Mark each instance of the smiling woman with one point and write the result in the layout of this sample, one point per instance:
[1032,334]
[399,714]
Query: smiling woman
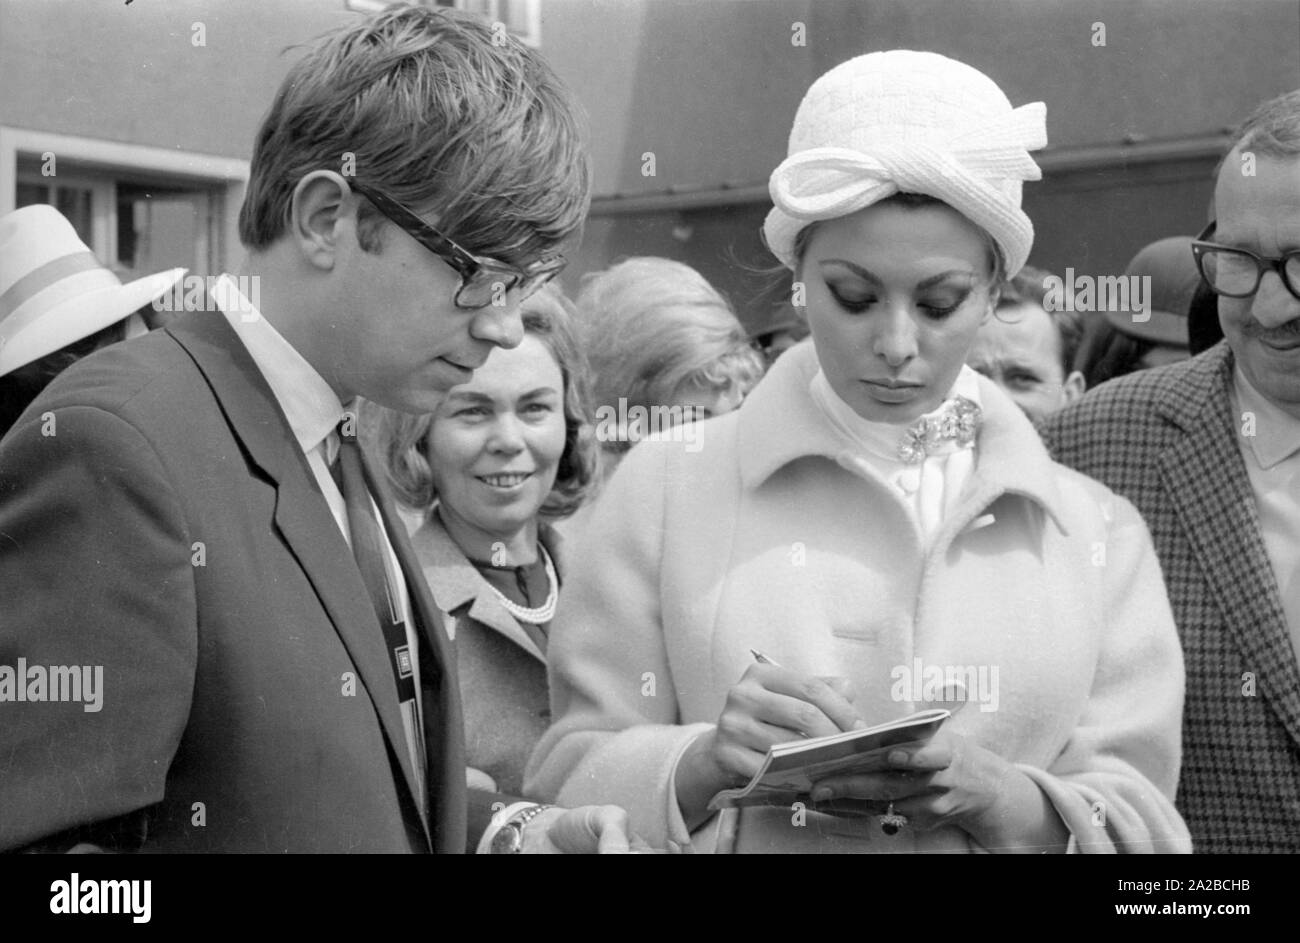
[505,452]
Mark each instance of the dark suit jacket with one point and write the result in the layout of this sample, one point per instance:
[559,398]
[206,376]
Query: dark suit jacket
[170,530]
[1166,439]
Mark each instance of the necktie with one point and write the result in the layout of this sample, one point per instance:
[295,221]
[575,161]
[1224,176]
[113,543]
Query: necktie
[371,552]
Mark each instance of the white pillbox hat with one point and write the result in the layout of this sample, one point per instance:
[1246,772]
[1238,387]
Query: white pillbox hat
[915,122]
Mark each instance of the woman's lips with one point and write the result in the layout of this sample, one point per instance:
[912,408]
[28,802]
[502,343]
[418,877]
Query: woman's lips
[892,391]
[505,481]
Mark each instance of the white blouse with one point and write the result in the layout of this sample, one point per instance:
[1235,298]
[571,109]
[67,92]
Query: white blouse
[928,489]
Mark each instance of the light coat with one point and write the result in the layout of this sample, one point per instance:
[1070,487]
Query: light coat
[761,539]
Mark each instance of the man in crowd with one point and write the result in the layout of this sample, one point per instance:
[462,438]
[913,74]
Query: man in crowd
[1027,350]
[1209,451]
[214,635]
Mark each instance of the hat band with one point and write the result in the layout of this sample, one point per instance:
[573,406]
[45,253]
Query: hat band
[39,279]
[68,271]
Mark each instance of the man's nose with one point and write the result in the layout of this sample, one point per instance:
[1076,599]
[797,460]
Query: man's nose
[501,324]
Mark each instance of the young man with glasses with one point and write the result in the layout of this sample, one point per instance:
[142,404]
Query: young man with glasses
[1209,451]
[190,513]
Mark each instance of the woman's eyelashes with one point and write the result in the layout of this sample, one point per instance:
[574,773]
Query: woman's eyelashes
[937,306]
[942,307]
[850,300]
[534,410]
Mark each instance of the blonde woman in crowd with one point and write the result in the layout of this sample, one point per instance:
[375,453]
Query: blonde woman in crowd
[504,455]
[665,349]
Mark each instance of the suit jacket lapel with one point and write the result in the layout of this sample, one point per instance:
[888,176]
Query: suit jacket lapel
[1207,482]
[301,513]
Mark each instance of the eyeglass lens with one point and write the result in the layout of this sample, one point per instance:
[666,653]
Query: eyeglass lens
[1236,273]
[489,286]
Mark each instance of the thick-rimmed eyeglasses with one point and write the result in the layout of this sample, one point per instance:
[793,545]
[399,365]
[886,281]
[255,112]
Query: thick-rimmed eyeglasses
[1236,273]
[483,281]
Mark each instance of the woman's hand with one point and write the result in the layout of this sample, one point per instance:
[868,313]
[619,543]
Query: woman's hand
[952,781]
[768,705]
[772,705]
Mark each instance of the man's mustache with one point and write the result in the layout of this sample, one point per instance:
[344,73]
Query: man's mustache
[1285,332]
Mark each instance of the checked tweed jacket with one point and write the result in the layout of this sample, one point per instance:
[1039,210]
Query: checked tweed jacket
[1166,439]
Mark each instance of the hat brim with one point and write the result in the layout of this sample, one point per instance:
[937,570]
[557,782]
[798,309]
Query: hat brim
[1162,327]
[81,316]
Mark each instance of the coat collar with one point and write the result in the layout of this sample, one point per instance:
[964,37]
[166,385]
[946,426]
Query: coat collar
[1199,390]
[1204,474]
[313,536]
[780,423]
[455,582]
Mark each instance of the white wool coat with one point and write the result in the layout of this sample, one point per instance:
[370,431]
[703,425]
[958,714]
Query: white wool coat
[757,537]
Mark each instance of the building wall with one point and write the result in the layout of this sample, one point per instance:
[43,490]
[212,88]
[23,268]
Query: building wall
[710,87]
[131,73]
[715,86]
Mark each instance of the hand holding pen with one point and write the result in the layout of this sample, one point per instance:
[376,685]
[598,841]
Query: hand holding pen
[770,704]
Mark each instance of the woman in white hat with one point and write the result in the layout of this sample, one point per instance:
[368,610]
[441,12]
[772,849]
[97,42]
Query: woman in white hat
[886,526]
[58,304]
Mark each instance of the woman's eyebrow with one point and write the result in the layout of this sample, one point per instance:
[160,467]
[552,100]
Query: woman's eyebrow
[936,279]
[854,267]
[469,396]
[868,275]
[540,391]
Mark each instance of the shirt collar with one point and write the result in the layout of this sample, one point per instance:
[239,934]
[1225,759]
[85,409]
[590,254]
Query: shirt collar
[780,423]
[880,438]
[312,408]
[1277,432]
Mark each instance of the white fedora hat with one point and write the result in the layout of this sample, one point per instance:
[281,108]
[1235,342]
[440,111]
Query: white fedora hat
[54,292]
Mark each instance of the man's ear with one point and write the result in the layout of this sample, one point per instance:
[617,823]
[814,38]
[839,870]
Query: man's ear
[320,202]
[1074,386]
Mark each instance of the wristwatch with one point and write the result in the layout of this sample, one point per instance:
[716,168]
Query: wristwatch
[509,839]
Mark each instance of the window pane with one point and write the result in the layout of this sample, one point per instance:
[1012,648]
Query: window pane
[74,203]
[31,193]
[161,228]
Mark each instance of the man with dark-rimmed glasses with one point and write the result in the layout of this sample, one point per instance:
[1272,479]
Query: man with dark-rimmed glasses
[1209,451]
[191,512]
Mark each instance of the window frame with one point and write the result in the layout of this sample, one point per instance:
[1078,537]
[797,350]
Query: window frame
[100,164]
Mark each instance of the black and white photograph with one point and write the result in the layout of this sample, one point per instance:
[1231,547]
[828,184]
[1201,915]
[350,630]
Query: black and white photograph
[582,427]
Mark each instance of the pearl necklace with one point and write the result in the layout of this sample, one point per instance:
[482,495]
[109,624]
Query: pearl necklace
[546,611]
